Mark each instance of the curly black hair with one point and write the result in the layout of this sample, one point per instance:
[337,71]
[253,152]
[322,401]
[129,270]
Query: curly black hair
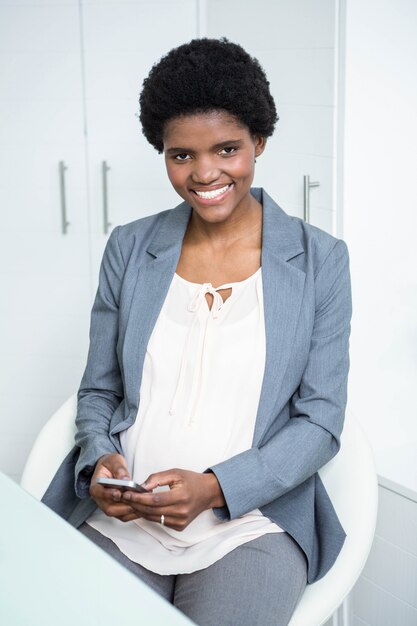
[205,75]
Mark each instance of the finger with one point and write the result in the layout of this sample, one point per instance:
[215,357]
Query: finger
[170,522]
[102,471]
[153,500]
[111,466]
[118,510]
[110,494]
[154,513]
[129,518]
[168,477]
[118,468]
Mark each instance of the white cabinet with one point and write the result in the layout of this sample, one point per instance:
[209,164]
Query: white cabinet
[45,297]
[122,40]
[70,77]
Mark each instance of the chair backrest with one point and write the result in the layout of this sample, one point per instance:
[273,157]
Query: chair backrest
[350,480]
[51,446]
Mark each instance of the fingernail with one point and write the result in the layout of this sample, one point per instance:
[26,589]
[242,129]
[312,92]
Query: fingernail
[127,496]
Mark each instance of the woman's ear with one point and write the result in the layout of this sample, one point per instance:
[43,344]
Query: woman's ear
[260,143]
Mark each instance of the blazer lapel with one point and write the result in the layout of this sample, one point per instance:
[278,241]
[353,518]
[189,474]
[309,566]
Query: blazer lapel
[153,281]
[283,286]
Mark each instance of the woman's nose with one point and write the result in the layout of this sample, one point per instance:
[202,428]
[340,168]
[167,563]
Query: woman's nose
[205,172]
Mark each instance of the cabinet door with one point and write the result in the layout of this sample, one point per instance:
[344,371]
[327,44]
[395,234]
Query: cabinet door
[44,274]
[294,41]
[122,40]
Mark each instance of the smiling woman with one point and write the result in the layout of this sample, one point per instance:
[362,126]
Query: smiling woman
[218,364]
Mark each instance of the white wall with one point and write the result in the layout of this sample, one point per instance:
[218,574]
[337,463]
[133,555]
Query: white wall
[380,215]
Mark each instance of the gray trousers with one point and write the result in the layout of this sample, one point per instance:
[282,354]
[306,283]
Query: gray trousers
[257,583]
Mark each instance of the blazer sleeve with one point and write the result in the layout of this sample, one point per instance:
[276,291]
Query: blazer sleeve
[311,437]
[101,388]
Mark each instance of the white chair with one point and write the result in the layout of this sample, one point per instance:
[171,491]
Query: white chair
[51,446]
[350,480]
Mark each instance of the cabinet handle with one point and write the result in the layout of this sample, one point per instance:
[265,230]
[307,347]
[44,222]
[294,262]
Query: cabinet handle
[307,186]
[106,224]
[62,169]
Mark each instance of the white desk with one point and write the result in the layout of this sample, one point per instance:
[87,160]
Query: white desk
[50,574]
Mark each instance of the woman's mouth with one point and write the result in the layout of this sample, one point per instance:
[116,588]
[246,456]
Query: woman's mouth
[214,196]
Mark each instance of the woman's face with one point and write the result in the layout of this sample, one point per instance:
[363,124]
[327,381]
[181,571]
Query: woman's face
[210,162]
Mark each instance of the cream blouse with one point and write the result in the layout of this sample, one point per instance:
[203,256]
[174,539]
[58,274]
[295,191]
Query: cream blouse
[199,398]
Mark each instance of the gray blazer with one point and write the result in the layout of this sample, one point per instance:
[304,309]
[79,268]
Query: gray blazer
[307,304]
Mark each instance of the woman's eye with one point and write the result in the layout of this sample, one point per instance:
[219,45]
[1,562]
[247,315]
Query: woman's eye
[228,150]
[181,157]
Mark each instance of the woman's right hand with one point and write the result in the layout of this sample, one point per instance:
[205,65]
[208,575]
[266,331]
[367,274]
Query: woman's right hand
[107,498]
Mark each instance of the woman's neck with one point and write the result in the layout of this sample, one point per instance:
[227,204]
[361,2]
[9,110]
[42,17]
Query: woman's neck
[242,228]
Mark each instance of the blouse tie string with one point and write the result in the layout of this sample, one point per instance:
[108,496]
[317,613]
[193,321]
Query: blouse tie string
[194,306]
[200,294]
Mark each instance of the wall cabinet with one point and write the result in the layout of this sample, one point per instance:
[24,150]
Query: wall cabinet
[44,275]
[122,40]
[70,76]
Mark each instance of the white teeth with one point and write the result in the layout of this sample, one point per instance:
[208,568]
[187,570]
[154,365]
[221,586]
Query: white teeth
[211,194]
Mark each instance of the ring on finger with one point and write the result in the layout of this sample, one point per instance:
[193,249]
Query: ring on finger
[162,520]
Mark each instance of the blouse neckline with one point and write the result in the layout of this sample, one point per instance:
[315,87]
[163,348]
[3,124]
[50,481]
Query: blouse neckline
[225,285]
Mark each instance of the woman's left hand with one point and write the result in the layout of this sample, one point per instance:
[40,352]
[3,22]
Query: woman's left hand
[190,494]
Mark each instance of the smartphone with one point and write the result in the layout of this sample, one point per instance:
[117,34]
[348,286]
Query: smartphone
[123,485]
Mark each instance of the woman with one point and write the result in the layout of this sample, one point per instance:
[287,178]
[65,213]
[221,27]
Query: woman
[217,368]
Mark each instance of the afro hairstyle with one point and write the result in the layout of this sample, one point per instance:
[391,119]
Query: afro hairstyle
[206,75]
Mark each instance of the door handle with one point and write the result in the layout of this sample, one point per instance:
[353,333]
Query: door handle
[307,186]
[62,168]
[106,224]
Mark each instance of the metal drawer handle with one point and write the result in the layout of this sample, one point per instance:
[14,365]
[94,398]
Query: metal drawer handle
[62,169]
[307,186]
[106,224]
